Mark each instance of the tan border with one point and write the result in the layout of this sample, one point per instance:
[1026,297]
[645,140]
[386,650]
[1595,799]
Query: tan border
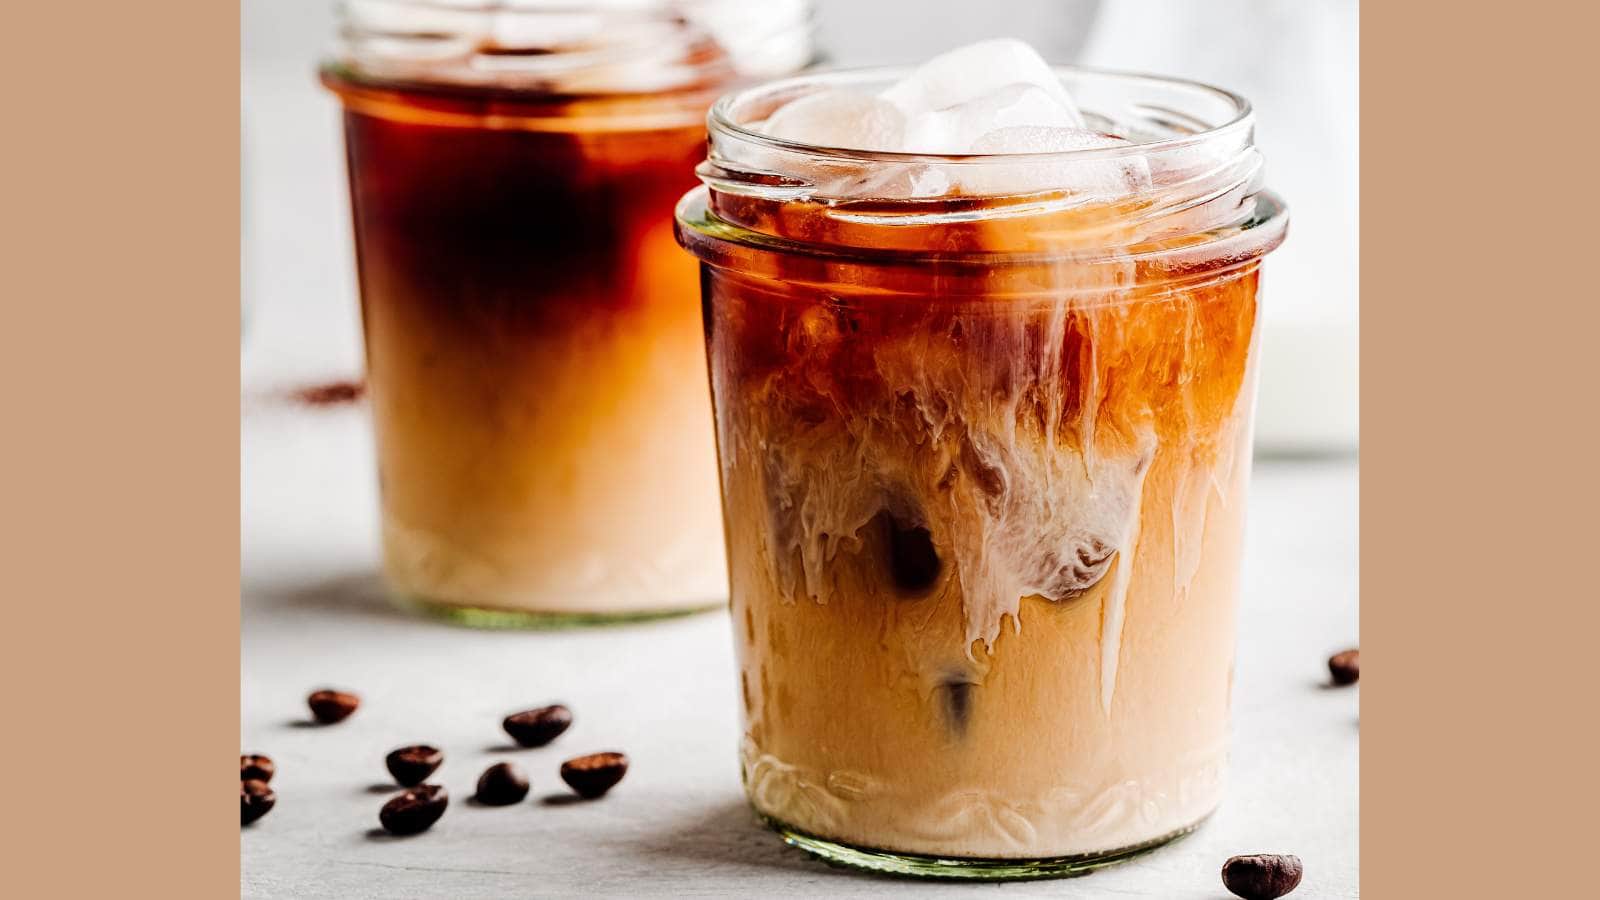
[120,474]
[1479,325]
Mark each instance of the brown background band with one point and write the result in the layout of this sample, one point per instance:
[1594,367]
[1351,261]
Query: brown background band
[119,483]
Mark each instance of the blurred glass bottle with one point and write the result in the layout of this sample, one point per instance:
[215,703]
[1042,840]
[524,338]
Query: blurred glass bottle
[850,32]
[1298,63]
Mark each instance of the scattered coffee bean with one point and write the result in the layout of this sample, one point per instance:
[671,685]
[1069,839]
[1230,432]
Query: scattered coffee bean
[255,800]
[537,727]
[329,707]
[412,765]
[1345,667]
[331,394]
[414,811]
[1262,876]
[256,768]
[502,784]
[591,776]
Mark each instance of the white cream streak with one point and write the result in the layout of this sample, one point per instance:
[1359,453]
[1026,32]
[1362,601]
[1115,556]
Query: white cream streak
[1114,605]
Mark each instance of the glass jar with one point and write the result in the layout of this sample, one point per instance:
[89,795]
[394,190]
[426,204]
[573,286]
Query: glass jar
[534,352]
[984,434]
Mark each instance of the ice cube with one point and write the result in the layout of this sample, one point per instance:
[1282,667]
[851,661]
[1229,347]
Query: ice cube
[967,73]
[886,181]
[932,181]
[1104,178]
[839,118]
[958,128]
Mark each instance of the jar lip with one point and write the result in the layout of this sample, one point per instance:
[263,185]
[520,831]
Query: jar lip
[1189,173]
[567,47]
[700,229]
[721,118]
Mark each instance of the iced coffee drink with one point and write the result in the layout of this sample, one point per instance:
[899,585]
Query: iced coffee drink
[981,341]
[534,349]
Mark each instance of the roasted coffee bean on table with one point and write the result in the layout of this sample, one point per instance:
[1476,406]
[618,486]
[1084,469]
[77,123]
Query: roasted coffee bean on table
[1345,667]
[591,776]
[412,765]
[254,767]
[537,727]
[329,706]
[255,800]
[502,784]
[414,811]
[1262,876]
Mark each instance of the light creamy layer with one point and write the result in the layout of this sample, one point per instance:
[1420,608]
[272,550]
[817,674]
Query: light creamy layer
[571,469]
[985,587]
[869,724]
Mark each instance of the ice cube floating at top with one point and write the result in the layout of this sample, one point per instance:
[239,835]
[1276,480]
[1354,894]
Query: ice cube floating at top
[992,97]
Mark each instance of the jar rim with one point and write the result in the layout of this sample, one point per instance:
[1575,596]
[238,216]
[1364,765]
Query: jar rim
[1188,182]
[722,117]
[706,235]
[569,48]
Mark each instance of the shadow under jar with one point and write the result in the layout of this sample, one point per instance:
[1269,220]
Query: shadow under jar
[534,353]
[984,461]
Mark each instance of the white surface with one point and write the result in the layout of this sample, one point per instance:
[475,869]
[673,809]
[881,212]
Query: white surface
[665,693]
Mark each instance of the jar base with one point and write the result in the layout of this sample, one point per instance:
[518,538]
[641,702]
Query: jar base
[965,868]
[501,619]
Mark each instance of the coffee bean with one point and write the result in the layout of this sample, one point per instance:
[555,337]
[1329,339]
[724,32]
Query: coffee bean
[329,707]
[256,768]
[591,776]
[412,765]
[1345,667]
[502,784]
[1262,876]
[255,800]
[414,811]
[537,727]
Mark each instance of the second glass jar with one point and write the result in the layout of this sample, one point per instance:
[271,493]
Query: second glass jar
[534,351]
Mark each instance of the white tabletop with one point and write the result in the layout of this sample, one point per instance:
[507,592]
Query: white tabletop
[313,614]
